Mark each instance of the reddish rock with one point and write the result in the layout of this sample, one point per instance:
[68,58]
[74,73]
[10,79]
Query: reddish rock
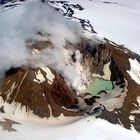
[37,96]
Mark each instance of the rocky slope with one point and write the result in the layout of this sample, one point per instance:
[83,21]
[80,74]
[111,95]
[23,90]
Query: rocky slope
[45,91]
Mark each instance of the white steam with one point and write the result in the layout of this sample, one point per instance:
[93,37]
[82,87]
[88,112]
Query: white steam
[23,23]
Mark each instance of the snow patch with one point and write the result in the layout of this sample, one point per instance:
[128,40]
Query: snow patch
[132,118]
[134,71]
[107,72]
[39,77]
[137,111]
[138,100]
[49,75]
[10,90]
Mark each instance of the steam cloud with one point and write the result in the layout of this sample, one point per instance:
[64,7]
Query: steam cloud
[22,23]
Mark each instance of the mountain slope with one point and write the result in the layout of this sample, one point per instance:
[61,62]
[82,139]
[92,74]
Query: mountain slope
[57,76]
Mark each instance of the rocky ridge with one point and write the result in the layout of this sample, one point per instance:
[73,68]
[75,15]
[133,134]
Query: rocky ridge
[44,96]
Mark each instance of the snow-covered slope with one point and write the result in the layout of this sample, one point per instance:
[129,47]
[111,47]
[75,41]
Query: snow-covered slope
[33,36]
[86,128]
[116,20]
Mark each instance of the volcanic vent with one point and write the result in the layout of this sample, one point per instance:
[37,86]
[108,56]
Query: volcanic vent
[104,88]
[66,72]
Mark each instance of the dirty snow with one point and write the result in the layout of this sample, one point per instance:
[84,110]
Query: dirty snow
[134,71]
[107,72]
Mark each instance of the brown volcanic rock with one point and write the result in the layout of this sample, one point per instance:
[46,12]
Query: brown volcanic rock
[120,57]
[42,98]
[95,56]
[46,98]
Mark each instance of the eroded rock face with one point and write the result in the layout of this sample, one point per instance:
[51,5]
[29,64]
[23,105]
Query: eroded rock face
[40,90]
[45,92]
[119,66]
[121,57]
[95,57]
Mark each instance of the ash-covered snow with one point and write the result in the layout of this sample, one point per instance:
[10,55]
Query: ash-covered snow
[107,72]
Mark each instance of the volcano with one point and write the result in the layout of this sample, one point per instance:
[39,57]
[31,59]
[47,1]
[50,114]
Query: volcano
[56,65]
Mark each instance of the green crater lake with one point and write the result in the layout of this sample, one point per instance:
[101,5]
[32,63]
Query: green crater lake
[98,85]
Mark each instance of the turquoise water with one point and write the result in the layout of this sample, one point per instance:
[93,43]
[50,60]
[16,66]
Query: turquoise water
[98,85]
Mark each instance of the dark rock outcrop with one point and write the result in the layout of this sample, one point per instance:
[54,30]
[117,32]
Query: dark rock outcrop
[46,98]
[20,86]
